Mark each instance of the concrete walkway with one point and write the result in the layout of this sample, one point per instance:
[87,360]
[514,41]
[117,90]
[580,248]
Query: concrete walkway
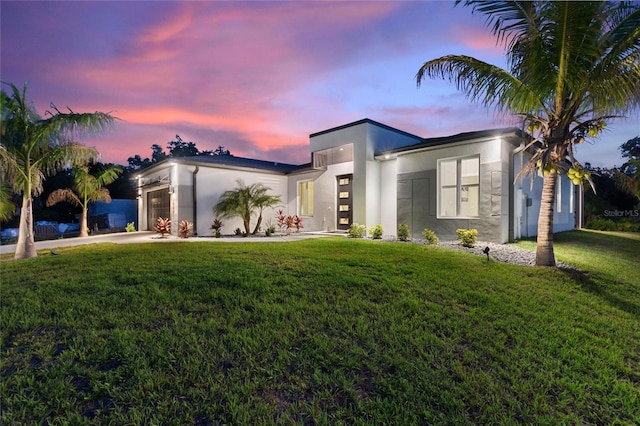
[152,237]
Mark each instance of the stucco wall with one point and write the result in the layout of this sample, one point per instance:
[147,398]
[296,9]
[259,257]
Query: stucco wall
[389,198]
[526,216]
[324,217]
[369,198]
[212,182]
[418,191]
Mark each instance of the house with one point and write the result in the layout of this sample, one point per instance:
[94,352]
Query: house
[369,173]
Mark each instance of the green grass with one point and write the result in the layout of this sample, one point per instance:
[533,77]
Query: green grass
[324,331]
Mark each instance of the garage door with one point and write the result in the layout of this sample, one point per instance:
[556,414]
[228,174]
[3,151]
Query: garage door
[158,205]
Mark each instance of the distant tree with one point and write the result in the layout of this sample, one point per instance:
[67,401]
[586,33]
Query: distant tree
[179,148]
[87,187]
[631,148]
[244,201]
[627,178]
[33,148]
[220,150]
[157,153]
[609,195]
[138,163]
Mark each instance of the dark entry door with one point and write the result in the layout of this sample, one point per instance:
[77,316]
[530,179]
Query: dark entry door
[345,201]
[158,205]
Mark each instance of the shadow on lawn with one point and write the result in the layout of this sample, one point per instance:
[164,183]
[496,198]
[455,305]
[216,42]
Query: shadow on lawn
[589,285]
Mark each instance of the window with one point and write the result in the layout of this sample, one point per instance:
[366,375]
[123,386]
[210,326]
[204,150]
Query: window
[305,198]
[459,187]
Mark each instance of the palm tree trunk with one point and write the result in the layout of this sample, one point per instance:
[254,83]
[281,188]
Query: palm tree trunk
[247,225]
[26,246]
[84,227]
[544,246]
[255,230]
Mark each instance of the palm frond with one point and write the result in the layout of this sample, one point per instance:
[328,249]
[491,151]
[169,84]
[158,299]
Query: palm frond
[482,82]
[7,206]
[60,195]
[61,125]
[107,175]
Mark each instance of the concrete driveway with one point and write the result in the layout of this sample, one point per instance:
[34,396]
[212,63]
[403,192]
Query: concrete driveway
[152,237]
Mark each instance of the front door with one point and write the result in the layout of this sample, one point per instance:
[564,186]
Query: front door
[345,201]
[158,205]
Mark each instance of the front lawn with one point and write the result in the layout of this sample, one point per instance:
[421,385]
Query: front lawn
[323,331]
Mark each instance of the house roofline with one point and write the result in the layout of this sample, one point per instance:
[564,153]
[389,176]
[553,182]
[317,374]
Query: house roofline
[365,121]
[448,140]
[232,162]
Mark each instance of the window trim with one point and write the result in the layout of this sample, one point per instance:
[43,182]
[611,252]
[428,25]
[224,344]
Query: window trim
[310,201]
[458,186]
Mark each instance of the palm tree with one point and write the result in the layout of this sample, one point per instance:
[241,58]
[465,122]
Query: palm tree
[574,66]
[87,187]
[33,148]
[244,201]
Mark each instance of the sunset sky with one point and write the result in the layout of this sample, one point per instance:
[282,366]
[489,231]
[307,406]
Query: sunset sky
[255,77]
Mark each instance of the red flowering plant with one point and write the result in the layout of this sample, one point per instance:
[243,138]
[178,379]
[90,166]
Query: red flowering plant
[288,223]
[163,226]
[185,229]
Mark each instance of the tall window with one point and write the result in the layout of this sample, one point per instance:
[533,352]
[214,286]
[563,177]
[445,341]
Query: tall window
[459,187]
[305,198]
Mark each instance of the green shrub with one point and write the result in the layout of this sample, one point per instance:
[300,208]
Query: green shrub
[238,232]
[403,232]
[270,229]
[601,224]
[131,227]
[356,230]
[376,232]
[430,236]
[467,237]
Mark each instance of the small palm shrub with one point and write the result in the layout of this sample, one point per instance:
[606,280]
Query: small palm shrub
[403,232]
[185,228]
[430,236]
[238,232]
[356,231]
[467,237]
[163,226]
[131,227]
[270,229]
[216,225]
[376,232]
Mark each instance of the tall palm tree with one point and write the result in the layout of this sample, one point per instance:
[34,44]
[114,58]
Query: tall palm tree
[87,187]
[573,67]
[33,148]
[244,201]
